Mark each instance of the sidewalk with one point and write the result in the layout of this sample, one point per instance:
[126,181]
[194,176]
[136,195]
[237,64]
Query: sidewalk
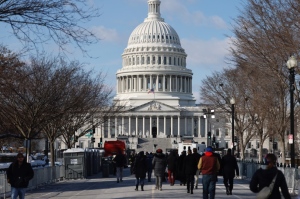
[97,187]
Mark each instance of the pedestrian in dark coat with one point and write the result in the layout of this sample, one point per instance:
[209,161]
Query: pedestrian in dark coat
[189,168]
[172,161]
[180,171]
[263,177]
[18,175]
[230,167]
[140,170]
[120,161]
[197,157]
[159,164]
[149,165]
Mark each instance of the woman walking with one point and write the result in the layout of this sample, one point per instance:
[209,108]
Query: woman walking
[172,161]
[140,170]
[159,166]
[264,177]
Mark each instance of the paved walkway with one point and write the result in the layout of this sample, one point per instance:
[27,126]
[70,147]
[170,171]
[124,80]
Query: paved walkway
[96,187]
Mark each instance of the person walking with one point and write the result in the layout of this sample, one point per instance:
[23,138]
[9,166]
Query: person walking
[149,165]
[263,178]
[171,162]
[120,161]
[131,160]
[140,170]
[180,172]
[209,167]
[190,167]
[230,167]
[159,166]
[19,174]
[197,157]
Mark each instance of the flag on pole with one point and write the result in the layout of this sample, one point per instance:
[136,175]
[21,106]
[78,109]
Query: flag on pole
[151,91]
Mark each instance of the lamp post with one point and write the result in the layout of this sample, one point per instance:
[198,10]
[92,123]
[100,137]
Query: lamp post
[206,116]
[291,64]
[232,102]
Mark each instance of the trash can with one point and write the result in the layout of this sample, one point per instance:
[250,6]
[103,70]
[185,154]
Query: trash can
[74,161]
[105,168]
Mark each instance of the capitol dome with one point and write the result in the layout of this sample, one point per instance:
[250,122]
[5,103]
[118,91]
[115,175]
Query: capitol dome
[154,61]
[156,31]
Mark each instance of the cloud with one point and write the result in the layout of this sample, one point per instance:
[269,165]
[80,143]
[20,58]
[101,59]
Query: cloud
[106,34]
[177,10]
[206,52]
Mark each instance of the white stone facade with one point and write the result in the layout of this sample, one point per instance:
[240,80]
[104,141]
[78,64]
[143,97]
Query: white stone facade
[155,86]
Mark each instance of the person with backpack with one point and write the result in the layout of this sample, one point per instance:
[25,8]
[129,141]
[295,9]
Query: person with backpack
[264,177]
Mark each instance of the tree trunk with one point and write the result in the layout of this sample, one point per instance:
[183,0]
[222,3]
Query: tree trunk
[52,153]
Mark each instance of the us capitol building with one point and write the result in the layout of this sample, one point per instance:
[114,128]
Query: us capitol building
[155,85]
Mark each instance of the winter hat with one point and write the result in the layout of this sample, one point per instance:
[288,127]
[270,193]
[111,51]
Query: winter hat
[159,151]
[209,149]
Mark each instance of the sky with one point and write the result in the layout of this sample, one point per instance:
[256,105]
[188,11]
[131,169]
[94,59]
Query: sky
[203,27]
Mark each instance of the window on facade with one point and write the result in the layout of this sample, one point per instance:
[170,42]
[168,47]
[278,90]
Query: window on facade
[159,60]
[162,37]
[174,61]
[157,36]
[226,132]
[148,82]
[148,60]
[133,61]
[159,82]
[249,145]
[170,60]
[143,60]
[166,83]
[226,145]
[129,61]
[165,60]
[217,132]
[137,60]
[166,36]
[153,60]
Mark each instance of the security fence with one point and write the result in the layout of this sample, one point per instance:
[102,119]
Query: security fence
[247,170]
[42,176]
[47,175]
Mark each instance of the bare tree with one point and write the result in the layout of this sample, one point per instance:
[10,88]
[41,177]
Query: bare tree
[36,22]
[218,90]
[266,35]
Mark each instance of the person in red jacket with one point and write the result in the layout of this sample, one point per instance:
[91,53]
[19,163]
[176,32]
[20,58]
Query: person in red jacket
[209,167]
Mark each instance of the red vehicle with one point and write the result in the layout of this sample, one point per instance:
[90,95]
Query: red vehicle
[112,147]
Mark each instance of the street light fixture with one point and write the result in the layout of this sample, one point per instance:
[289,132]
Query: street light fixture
[232,102]
[291,64]
[206,115]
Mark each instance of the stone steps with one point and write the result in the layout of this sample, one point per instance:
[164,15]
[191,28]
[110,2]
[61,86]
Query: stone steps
[147,144]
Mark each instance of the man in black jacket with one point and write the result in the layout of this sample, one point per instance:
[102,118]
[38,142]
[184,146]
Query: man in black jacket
[189,168]
[18,175]
[229,165]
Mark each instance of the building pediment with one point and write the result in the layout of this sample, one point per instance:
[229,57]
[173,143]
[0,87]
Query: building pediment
[154,106]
